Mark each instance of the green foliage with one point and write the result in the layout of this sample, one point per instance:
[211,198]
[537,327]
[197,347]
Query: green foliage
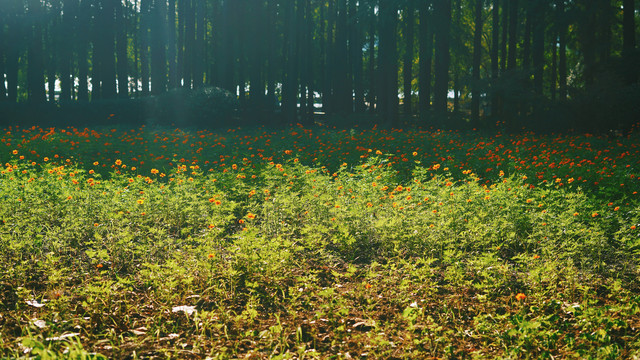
[273,257]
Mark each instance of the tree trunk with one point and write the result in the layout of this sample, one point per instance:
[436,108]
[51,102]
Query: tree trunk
[189,40]
[355,51]
[121,49]
[272,66]
[505,28]
[477,55]
[145,6]
[371,95]
[329,63]
[342,86]
[82,25]
[425,58]
[158,50]
[539,17]
[199,50]
[388,94]
[629,41]
[526,43]
[554,67]
[409,22]
[107,48]
[290,84]
[50,51]
[442,14]
[171,45]
[513,34]
[562,50]
[35,65]
[628,27]
[66,39]
[495,45]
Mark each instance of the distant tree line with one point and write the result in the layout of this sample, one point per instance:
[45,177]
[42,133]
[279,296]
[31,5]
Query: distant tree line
[416,60]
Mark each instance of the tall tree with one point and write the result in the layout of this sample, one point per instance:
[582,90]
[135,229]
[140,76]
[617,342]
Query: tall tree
[3,50]
[442,15]
[121,50]
[388,68]
[562,49]
[425,59]
[628,26]
[538,16]
[158,48]
[106,46]
[343,99]
[629,40]
[171,45]
[81,24]
[290,83]
[371,55]
[477,54]
[199,43]
[495,45]
[355,54]
[143,34]
[513,34]
[35,64]
[66,49]
[409,23]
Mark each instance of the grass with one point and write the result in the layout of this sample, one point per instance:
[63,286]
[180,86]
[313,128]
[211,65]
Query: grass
[317,243]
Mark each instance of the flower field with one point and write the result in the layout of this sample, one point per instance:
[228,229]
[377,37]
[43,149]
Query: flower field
[318,243]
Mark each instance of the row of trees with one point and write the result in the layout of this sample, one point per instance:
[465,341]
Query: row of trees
[481,57]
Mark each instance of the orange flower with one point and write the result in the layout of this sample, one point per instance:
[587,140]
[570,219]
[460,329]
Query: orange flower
[251,216]
[535,257]
[118,162]
[15,152]
[154,171]
[521,296]
[211,256]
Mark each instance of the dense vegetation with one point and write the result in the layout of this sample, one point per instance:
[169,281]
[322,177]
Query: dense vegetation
[312,242]
[543,64]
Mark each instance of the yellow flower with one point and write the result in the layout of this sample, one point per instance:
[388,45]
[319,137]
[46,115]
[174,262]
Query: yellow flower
[140,201]
[118,162]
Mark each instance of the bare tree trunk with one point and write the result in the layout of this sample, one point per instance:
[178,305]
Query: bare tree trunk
[495,45]
[442,14]
[425,58]
[121,49]
[477,54]
[388,94]
[562,49]
[35,65]
[513,34]
[171,45]
[409,23]
[355,51]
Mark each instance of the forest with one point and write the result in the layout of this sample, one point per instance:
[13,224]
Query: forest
[548,64]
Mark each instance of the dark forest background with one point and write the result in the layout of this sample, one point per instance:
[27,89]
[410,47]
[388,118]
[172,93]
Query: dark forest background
[543,65]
